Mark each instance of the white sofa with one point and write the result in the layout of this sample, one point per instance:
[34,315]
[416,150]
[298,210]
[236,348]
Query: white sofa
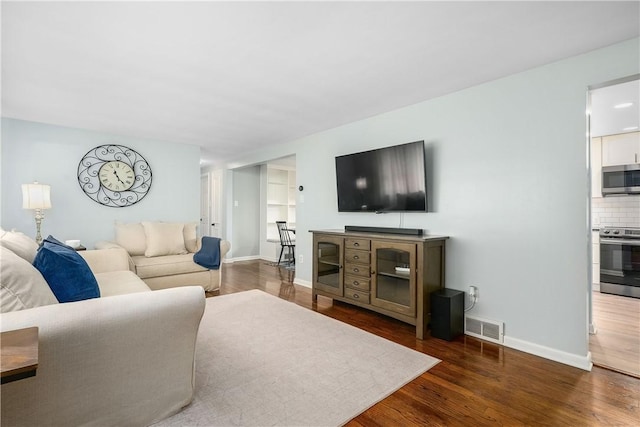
[161,254]
[126,358]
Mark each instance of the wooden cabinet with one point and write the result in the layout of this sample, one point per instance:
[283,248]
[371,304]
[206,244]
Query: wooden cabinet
[387,273]
[623,149]
[327,264]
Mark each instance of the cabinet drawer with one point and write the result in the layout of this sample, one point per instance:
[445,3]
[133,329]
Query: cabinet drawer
[356,256]
[355,282]
[356,295]
[357,269]
[362,244]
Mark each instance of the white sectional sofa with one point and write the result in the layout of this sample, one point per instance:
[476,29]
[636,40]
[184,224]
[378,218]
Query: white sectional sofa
[125,358]
[161,254]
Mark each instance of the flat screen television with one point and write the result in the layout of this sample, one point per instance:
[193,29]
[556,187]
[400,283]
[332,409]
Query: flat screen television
[390,179]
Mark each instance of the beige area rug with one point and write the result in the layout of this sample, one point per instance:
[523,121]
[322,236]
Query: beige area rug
[263,361]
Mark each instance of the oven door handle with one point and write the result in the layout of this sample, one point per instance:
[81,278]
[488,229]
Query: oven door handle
[626,242]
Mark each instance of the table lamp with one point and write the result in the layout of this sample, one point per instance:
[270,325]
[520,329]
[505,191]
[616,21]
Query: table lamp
[36,196]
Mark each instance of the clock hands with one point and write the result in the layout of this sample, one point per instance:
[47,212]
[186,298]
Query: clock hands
[117,176]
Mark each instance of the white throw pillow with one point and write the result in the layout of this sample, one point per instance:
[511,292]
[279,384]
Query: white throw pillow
[190,236]
[20,244]
[132,237]
[21,284]
[164,238]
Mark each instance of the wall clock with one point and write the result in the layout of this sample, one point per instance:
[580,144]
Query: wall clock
[114,175]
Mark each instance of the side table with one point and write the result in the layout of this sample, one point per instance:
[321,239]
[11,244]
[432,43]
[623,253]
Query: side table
[18,354]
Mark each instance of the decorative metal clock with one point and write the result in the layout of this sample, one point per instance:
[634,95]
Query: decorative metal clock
[114,176]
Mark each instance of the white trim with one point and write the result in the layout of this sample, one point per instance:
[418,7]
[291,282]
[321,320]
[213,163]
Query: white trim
[582,362]
[243,258]
[301,282]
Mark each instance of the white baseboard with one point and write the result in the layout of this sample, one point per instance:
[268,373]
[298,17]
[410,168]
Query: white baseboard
[301,282]
[242,258]
[582,362]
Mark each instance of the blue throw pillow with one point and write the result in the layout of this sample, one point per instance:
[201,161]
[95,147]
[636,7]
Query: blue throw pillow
[66,272]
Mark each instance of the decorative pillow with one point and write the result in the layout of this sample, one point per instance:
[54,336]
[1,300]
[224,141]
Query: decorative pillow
[20,244]
[66,272]
[190,236]
[131,237]
[21,285]
[164,238]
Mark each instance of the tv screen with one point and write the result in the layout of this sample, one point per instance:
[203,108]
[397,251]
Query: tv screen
[390,179]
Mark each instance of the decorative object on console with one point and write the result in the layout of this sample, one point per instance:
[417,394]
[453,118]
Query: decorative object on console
[114,175]
[36,196]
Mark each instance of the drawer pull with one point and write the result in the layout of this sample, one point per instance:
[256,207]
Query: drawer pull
[356,296]
[356,244]
[356,270]
[356,283]
[356,257]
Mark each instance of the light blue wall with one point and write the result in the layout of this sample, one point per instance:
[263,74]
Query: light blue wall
[509,183]
[50,154]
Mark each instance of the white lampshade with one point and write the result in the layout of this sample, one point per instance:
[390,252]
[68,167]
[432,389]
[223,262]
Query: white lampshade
[36,196]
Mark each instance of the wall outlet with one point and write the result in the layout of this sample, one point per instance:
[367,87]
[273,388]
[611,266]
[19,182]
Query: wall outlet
[473,292]
[300,259]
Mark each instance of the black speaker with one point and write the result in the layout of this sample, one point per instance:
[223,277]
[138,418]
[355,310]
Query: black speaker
[447,314]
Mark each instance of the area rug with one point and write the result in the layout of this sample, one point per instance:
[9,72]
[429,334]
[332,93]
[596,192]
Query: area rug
[263,361]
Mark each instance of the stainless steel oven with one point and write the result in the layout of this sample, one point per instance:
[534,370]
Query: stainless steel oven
[624,179]
[620,261]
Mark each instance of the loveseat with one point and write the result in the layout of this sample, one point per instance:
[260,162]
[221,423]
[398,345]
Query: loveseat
[125,358]
[161,254]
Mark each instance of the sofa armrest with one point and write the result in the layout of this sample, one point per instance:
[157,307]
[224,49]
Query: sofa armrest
[113,245]
[225,245]
[121,360]
[106,260]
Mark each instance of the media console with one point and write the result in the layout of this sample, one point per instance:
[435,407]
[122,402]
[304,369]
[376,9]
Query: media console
[392,274]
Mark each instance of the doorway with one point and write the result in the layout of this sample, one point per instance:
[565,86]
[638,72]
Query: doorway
[614,135]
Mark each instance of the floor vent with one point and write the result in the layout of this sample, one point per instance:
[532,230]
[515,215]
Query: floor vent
[489,330]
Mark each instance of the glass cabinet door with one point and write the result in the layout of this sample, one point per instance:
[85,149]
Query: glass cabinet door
[394,277]
[328,264]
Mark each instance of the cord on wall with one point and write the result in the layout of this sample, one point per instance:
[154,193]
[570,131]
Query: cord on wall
[473,294]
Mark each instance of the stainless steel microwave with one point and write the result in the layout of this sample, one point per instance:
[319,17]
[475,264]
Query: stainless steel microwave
[624,179]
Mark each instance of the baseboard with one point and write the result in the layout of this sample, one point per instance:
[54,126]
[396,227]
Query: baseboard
[301,282]
[582,362]
[243,258]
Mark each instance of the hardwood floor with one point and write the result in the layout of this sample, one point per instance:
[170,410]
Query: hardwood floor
[616,345]
[477,383]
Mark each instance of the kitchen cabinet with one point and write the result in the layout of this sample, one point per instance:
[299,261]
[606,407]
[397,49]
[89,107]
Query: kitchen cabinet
[596,167]
[595,240]
[622,149]
[391,274]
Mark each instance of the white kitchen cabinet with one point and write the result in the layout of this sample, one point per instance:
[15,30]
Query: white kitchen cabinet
[595,239]
[622,149]
[596,167]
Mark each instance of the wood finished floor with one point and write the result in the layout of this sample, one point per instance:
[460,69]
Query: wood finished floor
[476,384]
[616,345]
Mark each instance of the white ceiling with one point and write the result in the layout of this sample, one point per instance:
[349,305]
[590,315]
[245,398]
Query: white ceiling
[238,76]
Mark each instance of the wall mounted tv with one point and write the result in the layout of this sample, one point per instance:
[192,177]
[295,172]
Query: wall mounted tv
[390,179]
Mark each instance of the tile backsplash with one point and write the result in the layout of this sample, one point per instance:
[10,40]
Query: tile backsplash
[615,211]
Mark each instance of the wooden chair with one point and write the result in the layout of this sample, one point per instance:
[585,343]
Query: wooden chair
[286,241]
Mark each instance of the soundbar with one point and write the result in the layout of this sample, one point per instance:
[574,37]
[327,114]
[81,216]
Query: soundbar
[385,230]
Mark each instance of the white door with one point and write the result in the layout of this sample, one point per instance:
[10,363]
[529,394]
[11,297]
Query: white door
[205,206]
[216,204]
